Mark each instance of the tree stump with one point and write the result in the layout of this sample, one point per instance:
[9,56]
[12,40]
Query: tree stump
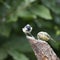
[42,49]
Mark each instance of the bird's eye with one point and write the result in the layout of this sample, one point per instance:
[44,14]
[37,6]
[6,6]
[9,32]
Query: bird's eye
[28,28]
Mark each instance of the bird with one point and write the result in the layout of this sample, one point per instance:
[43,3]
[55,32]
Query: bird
[46,37]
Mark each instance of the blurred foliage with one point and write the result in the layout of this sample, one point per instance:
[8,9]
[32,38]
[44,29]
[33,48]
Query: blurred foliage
[42,15]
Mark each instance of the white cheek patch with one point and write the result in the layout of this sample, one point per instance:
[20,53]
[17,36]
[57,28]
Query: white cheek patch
[24,30]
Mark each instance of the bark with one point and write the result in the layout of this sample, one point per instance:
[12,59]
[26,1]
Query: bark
[42,49]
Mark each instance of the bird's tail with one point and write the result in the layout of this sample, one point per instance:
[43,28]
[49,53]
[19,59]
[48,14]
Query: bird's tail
[53,40]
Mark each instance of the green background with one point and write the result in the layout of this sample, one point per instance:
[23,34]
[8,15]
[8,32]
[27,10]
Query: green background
[42,15]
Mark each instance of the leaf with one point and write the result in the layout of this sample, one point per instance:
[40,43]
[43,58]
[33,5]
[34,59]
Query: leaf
[57,19]
[3,54]
[18,43]
[12,17]
[28,2]
[54,5]
[5,29]
[17,55]
[44,24]
[58,32]
[25,13]
[41,11]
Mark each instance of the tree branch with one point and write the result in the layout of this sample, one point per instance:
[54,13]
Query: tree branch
[42,49]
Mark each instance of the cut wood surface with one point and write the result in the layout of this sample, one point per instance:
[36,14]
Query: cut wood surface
[42,49]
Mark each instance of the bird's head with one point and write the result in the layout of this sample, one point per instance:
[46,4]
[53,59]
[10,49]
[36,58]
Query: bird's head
[27,29]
